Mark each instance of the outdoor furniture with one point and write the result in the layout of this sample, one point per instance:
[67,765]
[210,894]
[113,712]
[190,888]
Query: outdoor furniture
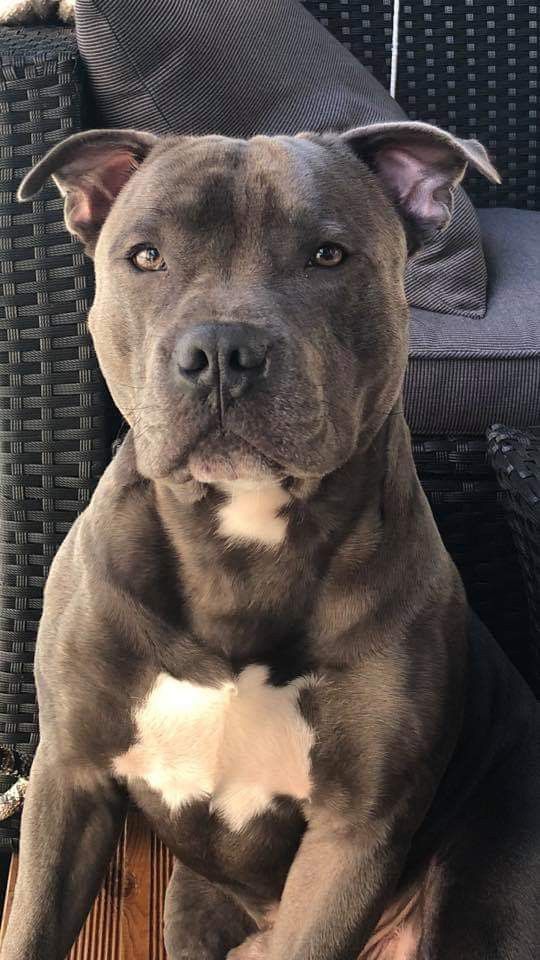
[54,432]
[515,456]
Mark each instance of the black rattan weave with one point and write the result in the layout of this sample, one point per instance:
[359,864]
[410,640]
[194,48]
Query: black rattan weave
[468,505]
[364,28]
[515,455]
[473,68]
[470,67]
[53,443]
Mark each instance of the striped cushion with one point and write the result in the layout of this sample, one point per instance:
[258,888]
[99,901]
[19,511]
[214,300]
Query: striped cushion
[238,67]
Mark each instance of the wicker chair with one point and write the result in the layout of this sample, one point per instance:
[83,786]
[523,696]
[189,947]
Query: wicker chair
[56,422]
[54,432]
[515,455]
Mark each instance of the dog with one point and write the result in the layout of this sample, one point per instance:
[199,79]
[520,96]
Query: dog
[254,630]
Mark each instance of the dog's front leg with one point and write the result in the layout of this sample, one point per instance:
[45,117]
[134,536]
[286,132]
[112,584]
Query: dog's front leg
[336,890]
[69,829]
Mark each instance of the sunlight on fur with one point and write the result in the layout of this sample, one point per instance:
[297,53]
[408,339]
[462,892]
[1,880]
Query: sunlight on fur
[253,513]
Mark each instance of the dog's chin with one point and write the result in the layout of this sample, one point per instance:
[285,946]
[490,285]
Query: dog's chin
[218,459]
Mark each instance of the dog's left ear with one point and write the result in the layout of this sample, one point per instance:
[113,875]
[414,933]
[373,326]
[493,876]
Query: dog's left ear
[90,169]
[419,167]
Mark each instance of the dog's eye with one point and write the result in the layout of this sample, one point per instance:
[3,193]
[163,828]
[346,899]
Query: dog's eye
[328,255]
[147,258]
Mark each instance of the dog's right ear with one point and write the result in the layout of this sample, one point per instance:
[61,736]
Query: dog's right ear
[419,167]
[90,170]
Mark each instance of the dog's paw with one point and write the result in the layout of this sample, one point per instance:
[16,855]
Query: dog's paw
[254,948]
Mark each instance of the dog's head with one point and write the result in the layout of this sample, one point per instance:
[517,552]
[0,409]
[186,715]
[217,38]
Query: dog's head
[250,316]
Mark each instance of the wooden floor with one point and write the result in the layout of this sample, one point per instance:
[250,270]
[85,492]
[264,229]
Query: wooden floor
[126,921]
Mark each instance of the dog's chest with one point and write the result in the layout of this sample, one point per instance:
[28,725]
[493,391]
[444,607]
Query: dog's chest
[238,745]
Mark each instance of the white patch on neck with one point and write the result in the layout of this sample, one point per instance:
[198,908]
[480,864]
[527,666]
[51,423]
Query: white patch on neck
[238,745]
[252,512]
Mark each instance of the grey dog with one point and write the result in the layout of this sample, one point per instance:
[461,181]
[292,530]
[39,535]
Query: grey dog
[254,631]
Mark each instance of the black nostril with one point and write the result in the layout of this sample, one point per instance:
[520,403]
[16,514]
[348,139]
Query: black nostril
[194,362]
[192,358]
[235,362]
[241,360]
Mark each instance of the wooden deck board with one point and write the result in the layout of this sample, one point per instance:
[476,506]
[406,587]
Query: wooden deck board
[127,917]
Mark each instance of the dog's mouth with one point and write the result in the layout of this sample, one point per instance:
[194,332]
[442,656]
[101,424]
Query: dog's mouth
[205,451]
[222,457]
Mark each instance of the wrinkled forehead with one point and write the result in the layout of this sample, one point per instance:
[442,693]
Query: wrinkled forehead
[207,184]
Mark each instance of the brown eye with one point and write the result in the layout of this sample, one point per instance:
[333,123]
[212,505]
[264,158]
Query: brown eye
[147,258]
[329,255]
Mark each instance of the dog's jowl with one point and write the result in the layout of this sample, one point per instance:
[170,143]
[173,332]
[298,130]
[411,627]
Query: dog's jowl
[254,631]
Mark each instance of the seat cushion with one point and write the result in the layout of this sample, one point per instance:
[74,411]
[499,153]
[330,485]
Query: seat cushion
[464,376]
[240,68]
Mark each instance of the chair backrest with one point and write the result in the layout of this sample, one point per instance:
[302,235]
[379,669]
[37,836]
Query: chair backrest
[472,68]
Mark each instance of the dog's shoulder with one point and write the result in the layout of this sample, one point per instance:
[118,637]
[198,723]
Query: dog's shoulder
[104,553]
[100,599]
[121,501]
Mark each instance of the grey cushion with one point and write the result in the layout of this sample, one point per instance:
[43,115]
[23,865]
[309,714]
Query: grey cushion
[240,67]
[465,376]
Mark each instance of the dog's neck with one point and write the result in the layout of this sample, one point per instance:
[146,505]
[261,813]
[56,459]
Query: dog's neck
[374,489]
[318,570]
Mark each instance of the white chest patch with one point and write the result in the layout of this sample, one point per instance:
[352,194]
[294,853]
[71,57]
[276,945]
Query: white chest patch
[238,745]
[252,512]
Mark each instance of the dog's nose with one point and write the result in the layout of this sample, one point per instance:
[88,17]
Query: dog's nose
[229,357]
